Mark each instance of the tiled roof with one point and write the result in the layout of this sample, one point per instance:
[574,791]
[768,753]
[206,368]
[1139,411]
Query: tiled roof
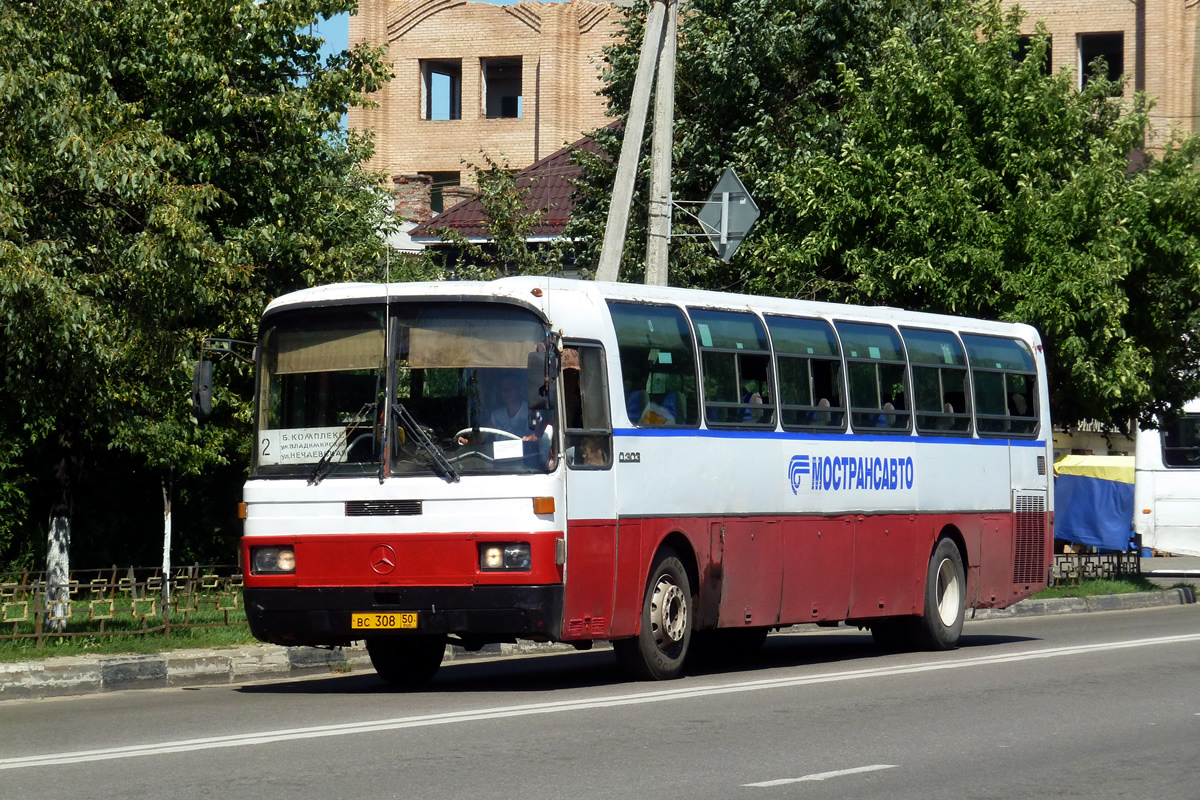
[549,189]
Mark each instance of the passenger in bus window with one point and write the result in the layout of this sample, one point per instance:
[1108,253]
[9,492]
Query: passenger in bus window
[886,420]
[588,451]
[823,417]
[751,395]
[654,408]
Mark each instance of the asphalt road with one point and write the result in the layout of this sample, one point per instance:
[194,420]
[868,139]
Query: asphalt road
[1103,705]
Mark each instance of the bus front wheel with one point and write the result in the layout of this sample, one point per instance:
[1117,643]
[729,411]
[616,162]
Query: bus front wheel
[945,599]
[406,660]
[658,652]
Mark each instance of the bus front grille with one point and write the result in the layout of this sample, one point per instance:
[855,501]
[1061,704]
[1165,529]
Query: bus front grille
[383,508]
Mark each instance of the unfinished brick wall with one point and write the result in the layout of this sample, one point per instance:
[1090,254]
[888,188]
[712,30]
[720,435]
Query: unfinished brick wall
[1160,43]
[559,47]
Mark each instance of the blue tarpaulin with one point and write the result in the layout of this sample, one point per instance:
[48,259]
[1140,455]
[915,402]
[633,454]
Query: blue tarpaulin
[1093,501]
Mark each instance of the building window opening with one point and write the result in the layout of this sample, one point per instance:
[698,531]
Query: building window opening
[501,88]
[1025,49]
[1107,46]
[441,90]
[438,189]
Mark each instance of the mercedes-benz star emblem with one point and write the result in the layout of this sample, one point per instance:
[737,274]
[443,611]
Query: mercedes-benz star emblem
[383,558]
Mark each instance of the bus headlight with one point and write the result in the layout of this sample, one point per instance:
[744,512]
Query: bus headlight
[272,560]
[511,555]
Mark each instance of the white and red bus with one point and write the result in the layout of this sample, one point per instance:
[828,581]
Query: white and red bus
[558,460]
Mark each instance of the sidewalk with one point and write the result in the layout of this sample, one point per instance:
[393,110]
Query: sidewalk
[78,675]
[1177,568]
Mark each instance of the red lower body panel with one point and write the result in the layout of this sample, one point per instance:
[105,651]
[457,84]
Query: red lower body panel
[765,571]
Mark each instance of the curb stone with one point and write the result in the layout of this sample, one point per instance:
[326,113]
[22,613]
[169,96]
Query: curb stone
[1075,605]
[82,675]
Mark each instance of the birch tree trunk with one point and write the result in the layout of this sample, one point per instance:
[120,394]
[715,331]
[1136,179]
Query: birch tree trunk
[58,572]
[167,481]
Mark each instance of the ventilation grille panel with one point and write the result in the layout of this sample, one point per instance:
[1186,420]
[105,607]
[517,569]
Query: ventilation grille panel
[383,508]
[1029,540]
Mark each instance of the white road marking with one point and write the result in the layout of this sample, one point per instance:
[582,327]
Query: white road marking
[820,776]
[531,709]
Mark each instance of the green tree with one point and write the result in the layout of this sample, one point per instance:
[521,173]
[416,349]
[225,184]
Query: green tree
[923,163]
[511,222]
[165,169]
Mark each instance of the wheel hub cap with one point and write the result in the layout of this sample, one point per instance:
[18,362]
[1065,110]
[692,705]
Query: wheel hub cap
[948,592]
[668,613]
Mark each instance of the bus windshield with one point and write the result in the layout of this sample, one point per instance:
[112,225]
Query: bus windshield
[445,392]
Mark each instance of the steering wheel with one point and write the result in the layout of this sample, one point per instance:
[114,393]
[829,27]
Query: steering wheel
[494,431]
[367,437]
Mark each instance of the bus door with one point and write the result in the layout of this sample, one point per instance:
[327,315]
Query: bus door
[591,510]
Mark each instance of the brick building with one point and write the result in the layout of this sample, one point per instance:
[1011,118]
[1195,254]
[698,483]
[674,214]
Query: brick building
[516,82]
[1152,42]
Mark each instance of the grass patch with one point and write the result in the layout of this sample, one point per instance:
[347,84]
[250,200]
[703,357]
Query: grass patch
[1100,586]
[16,650]
[116,626]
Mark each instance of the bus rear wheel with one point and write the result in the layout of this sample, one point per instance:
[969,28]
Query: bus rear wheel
[658,652]
[945,599]
[407,661]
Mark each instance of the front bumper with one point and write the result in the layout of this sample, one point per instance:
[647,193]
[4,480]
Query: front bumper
[321,616]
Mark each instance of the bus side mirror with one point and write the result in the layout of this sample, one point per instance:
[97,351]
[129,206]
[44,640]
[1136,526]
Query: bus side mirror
[542,393]
[202,390]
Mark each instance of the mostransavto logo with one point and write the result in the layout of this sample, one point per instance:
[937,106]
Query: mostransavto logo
[843,473]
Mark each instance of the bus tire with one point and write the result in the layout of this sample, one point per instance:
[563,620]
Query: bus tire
[407,661]
[945,599]
[658,652]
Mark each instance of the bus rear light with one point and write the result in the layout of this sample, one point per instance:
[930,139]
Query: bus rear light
[508,556]
[272,560]
[543,505]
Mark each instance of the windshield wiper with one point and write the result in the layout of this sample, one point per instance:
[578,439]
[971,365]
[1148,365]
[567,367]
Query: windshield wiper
[318,473]
[440,464]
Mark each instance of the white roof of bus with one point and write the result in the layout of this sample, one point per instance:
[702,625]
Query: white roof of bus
[520,288]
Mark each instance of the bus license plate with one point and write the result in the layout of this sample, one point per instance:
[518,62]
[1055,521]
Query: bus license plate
[383,621]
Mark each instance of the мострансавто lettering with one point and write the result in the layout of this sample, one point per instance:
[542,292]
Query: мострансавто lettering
[842,473]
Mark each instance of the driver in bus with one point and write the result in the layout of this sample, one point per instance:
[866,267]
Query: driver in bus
[512,415]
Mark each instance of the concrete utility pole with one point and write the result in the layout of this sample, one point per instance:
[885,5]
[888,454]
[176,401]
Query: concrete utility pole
[631,147]
[661,145]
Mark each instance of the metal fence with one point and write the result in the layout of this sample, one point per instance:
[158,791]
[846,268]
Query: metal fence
[119,601]
[1070,569]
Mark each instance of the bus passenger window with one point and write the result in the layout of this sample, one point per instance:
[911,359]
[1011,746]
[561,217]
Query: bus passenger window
[1005,378]
[939,374]
[878,377]
[809,365]
[658,364]
[1181,443]
[735,360]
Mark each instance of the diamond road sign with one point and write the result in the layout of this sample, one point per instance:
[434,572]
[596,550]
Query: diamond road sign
[728,214]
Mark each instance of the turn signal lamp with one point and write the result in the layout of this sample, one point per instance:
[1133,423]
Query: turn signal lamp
[543,505]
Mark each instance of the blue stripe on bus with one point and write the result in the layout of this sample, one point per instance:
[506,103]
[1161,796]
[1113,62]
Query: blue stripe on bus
[709,433]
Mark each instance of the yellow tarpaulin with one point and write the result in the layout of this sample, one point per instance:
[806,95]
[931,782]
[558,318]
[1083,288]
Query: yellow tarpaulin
[1106,468]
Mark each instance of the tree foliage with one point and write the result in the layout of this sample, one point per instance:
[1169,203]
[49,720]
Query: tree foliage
[510,224]
[165,169]
[910,156]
